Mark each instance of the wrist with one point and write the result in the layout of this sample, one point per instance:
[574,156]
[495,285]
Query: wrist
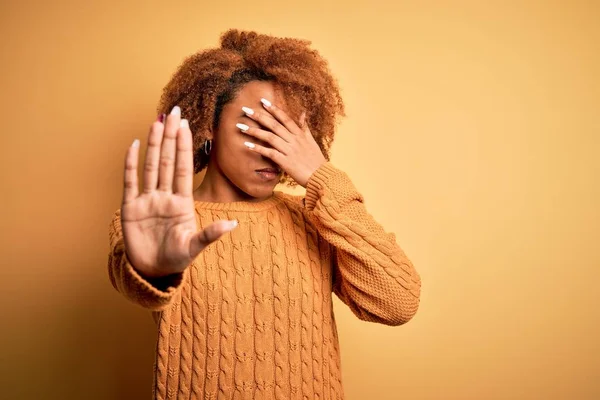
[150,274]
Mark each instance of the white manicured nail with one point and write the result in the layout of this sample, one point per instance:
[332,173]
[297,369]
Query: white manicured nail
[136,143]
[243,127]
[266,102]
[176,111]
[248,111]
[250,145]
[232,224]
[184,123]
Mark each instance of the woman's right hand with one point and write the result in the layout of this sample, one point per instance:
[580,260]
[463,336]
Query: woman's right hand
[159,225]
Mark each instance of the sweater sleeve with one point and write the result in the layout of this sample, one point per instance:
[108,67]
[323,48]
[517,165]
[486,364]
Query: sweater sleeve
[372,275]
[153,294]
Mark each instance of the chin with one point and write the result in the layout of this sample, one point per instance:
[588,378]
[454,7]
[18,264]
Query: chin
[260,192]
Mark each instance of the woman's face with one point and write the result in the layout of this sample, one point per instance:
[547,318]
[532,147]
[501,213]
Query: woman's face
[235,161]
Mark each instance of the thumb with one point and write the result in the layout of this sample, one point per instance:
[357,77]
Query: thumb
[209,234]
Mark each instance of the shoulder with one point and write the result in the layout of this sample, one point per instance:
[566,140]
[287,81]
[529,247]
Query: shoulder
[292,201]
[300,214]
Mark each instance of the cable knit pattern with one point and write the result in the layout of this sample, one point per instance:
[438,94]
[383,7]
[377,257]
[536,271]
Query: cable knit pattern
[374,277]
[252,317]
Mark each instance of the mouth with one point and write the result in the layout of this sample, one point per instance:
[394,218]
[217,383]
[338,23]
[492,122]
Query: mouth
[269,170]
[268,174]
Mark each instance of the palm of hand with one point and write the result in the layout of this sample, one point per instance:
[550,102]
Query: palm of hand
[159,225]
[157,230]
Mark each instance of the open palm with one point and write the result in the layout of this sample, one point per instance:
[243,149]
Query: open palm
[159,225]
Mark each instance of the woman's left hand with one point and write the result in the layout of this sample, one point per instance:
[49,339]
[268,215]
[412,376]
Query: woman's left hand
[293,147]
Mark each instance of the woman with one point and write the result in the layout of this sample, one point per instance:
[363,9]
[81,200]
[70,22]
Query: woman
[239,276]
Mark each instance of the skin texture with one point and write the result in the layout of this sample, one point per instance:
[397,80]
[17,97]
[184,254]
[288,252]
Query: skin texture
[205,78]
[209,90]
[159,227]
[279,143]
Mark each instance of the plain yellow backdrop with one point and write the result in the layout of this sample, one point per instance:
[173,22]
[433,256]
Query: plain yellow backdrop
[473,132]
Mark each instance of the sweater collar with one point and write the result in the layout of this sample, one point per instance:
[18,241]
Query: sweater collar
[249,206]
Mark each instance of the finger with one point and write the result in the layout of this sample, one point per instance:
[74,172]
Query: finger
[167,151]
[304,125]
[209,234]
[268,137]
[303,120]
[281,116]
[184,163]
[130,190]
[266,120]
[152,157]
[269,153]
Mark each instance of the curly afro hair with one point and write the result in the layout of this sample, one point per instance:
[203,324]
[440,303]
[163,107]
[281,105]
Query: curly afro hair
[206,81]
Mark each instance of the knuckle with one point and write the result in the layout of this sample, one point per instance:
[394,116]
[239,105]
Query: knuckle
[270,138]
[170,134]
[211,233]
[181,172]
[203,236]
[166,162]
[257,133]
[150,167]
[154,141]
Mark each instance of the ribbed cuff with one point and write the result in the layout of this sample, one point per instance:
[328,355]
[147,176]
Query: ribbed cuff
[151,290]
[317,181]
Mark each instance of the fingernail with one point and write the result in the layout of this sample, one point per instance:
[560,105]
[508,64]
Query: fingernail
[250,145]
[248,111]
[136,143]
[266,102]
[243,127]
[184,123]
[161,118]
[232,224]
[176,111]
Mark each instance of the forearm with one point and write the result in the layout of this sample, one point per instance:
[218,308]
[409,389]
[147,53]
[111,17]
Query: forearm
[372,273]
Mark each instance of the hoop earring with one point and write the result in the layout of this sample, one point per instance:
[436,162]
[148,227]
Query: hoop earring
[207,146]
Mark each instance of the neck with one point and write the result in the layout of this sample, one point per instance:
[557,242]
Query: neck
[217,188]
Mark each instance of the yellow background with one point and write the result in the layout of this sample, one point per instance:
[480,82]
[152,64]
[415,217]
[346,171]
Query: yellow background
[472,131]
